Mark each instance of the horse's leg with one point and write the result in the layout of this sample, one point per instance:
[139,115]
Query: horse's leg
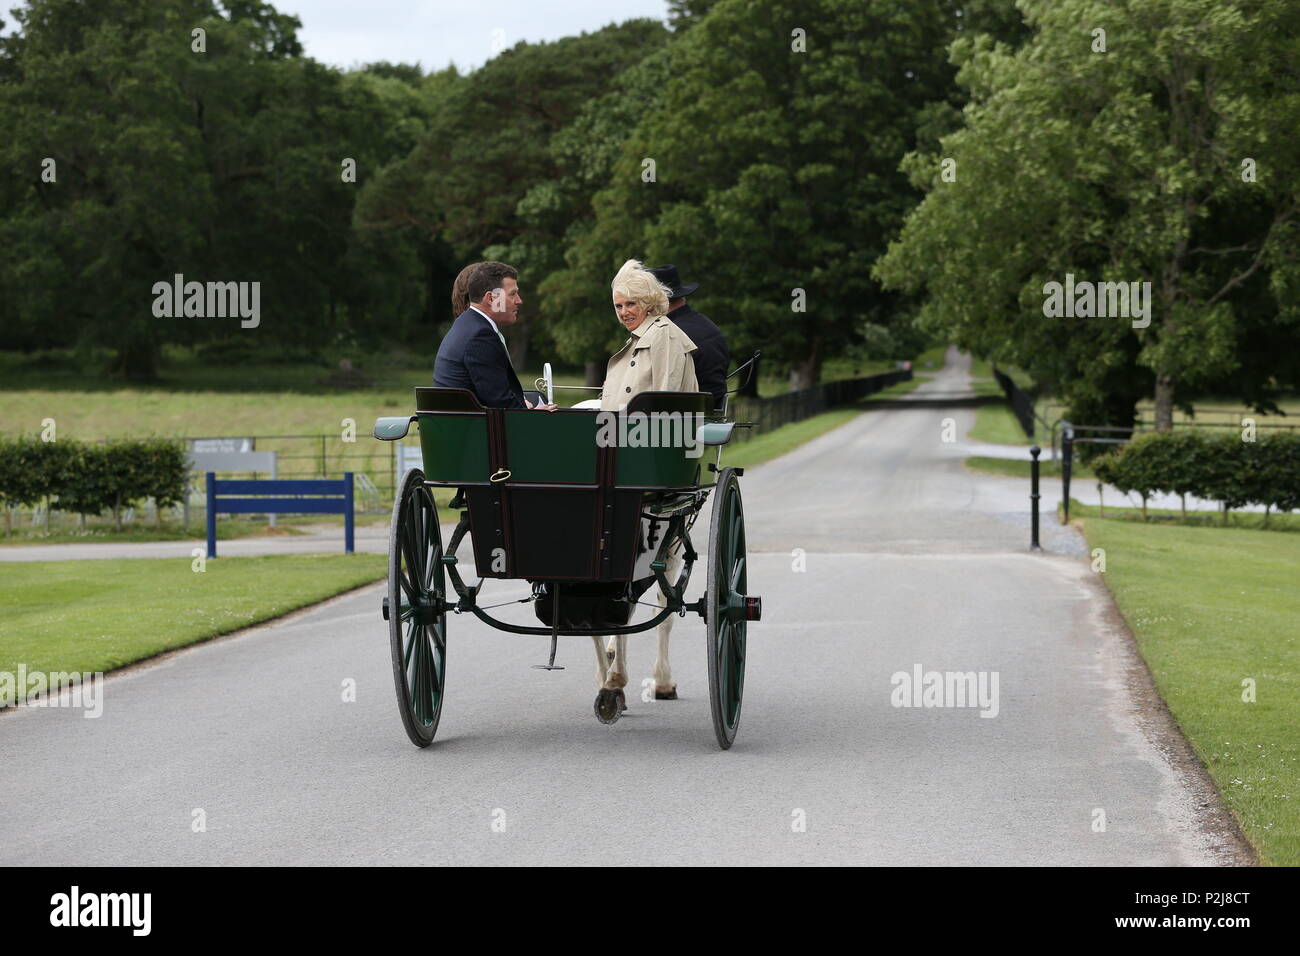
[665,687]
[616,676]
[602,662]
[610,699]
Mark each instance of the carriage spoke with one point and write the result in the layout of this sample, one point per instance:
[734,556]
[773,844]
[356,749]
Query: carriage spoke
[433,559]
[407,565]
[419,695]
[410,646]
[409,545]
[411,593]
[439,663]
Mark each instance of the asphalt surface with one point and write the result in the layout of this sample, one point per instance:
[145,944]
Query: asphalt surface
[906,560]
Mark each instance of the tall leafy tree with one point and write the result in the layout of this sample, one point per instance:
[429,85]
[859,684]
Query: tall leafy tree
[775,147]
[1152,141]
[469,183]
[222,163]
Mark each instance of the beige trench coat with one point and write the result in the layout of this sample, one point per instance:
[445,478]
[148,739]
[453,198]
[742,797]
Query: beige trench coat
[656,358]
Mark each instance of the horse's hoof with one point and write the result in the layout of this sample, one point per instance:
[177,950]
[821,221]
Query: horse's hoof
[622,701]
[609,706]
[666,694]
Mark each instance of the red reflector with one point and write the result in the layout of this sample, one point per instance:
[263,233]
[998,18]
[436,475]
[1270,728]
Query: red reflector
[753,608]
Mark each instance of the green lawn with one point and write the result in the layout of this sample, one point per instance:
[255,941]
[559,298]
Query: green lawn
[99,615]
[1019,467]
[1242,520]
[995,423]
[1211,608]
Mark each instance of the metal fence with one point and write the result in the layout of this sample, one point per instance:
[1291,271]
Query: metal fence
[1022,404]
[778,410]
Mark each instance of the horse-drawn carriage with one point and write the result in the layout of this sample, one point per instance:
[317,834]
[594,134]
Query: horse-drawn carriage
[592,523]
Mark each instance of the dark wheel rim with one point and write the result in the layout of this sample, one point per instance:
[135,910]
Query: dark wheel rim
[417,627]
[726,608]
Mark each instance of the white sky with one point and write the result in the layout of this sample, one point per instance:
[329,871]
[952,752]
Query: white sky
[434,33]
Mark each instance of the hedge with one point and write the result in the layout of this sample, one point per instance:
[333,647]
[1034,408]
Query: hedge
[1219,467]
[89,479]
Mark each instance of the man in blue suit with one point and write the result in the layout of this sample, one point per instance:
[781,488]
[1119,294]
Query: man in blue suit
[473,356]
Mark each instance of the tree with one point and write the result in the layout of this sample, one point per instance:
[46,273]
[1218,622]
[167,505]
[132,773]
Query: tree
[221,164]
[775,150]
[467,187]
[1126,165]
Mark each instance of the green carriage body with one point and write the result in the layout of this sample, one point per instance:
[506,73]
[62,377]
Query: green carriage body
[572,501]
[534,480]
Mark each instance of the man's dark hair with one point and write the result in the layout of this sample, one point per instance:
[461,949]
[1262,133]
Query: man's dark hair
[489,276]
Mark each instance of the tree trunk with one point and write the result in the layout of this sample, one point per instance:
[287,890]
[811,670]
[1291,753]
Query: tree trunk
[1101,501]
[137,361]
[1144,507]
[804,374]
[593,373]
[1164,403]
[1183,499]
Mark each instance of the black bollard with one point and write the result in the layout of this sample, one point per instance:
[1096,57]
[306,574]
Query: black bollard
[1033,498]
[1067,464]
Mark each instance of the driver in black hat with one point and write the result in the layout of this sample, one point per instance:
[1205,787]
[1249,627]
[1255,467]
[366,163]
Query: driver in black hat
[711,355]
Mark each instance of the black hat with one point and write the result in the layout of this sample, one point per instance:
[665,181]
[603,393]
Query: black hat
[669,277]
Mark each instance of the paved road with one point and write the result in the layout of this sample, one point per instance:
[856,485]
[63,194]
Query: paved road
[909,561]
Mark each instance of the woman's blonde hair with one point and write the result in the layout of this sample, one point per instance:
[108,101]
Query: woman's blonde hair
[639,284]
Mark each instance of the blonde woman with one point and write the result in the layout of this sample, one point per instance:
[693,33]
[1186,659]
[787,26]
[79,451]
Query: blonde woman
[657,355]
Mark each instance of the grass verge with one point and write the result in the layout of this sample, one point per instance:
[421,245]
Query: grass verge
[1214,612]
[1019,467]
[995,423]
[100,615]
[1243,520]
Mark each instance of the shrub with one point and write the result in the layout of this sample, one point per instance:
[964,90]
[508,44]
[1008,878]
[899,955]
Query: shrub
[1219,467]
[87,479]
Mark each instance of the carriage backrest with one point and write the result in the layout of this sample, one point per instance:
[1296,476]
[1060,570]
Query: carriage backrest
[671,420]
[453,435]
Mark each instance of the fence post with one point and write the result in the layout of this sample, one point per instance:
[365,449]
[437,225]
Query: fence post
[212,514]
[347,513]
[1033,497]
[1067,459]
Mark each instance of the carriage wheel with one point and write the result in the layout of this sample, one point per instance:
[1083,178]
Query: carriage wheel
[727,607]
[417,587]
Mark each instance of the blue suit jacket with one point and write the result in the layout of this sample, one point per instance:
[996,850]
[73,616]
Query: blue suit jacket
[472,357]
